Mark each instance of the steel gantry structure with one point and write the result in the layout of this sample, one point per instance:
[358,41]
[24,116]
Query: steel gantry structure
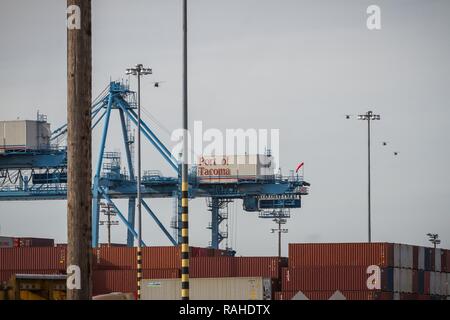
[42,175]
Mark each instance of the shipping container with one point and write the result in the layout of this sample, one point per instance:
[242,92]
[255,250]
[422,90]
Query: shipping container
[107,281]
[32,258]
[406,256]
[230,169]
[36,242]
[161,273]
[253,288]
[115,258]
[340,254]
[445,261]
[444,284]
[437,260]
[6,242]
[429,259]
[337,278]
[421,258]
[161,257]
[421,282]
[427,282]
[24,135]
[212,267]
[397,255]
[266,267]
[415,254]
[326,295]
[406,281]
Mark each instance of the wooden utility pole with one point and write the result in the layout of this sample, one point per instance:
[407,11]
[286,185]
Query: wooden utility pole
[79,195]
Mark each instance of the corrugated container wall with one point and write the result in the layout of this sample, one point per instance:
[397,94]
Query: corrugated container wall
[107,281]
[437,260]
[326,295]
[341,254]
[209,289]
[336,278]
[30,258]
[421,258]
[406,256]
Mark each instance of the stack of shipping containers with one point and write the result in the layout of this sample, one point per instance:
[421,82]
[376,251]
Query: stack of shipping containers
[360,271]
[363,271]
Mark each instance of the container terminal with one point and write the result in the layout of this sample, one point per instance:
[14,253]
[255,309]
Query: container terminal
[38,162]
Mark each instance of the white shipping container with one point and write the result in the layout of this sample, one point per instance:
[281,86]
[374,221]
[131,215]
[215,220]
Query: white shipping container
[448,284]
[444,284]
[24,135]
[397,255]
[209,289]
[406,256]
[435,288]
[437,260]
[406,280]
[232,168]
[421,258]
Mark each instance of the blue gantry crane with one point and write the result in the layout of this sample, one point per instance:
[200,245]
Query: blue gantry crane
[40,173]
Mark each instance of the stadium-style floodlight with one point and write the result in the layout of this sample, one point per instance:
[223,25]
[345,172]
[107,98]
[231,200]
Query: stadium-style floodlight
[369,117]
[139,71]
[434,239]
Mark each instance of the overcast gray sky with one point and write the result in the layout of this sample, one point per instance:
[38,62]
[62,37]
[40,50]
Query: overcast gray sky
[298,66]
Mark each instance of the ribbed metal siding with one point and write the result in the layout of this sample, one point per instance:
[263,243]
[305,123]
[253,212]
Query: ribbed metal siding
[107,281]
[114,258]
[266,267]
[212,267]
[161,273]
[332,279]
[247,288]
[341,254]
[29,258]
[437,260]
[421,258]
[161,257]
[325,295]
[406,256]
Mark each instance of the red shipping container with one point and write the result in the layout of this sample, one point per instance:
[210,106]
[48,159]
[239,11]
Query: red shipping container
[161,257]
[415,280]
[266,267]
[114,258]
[283,295]
[326,295]
[426,282]
[32,258]
[212,267]
[107,281]
[161,273]
[330,279]
[409,296]
[340,254]
[446,261]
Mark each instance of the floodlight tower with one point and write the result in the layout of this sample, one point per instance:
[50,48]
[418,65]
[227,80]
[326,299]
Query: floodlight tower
[139,71]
